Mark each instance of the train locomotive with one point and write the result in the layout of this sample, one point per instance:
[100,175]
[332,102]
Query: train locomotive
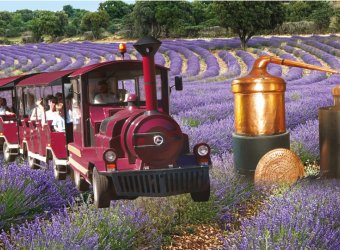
[123,142]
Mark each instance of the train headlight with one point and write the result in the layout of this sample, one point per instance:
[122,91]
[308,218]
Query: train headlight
[203,150]
[110,156]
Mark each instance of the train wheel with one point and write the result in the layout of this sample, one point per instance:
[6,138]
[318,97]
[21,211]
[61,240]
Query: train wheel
[33,163]
[102,190]
[56,171]
[7,153]
[201,196]
[81,184]
[71,172]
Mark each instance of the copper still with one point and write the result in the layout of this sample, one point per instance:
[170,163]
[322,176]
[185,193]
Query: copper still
[329,136]
[259,109]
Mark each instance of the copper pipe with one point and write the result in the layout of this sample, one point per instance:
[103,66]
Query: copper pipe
[262,62]
[336,95]
[259,98]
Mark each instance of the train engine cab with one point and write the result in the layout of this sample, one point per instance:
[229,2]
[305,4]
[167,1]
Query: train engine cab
[125,143]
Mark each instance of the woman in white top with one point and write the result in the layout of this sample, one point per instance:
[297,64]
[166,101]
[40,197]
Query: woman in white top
[58,120]
[38,113]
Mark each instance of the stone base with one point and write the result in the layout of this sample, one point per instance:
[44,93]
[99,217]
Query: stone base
[248,150]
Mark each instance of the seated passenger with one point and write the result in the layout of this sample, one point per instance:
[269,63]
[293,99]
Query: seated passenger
[38,112]
[50,113]
[30,106]
[47,101]
[104,96]
[68,103]
[4,110]
[59,97]
[58,120]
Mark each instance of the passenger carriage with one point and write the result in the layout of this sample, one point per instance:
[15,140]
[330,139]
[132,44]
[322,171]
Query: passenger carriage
[8,122]
[38,140]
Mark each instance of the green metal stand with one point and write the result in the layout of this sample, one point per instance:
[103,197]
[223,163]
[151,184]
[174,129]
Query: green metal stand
[248,150]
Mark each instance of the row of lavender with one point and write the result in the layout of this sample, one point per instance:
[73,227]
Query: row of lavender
[186,59]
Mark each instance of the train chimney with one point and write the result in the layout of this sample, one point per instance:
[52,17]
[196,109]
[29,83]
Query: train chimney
[329,136]
[260,113]
[147,47]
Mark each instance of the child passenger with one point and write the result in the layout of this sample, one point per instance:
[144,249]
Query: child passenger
[58,120]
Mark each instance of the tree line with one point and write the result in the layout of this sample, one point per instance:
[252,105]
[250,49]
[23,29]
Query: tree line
[169,19]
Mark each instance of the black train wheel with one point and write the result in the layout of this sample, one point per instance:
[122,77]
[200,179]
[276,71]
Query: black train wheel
[59,171]
[81,184]
[102,190]
[7,153]
[201,196]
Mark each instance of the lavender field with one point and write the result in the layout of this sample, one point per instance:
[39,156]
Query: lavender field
[305,216]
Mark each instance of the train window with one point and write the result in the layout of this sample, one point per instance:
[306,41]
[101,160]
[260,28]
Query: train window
[76,106]
[57,90]
[126,87]
[158,88]
[20,102]
[67,89]
[7,94]
[103,91]
[29,100]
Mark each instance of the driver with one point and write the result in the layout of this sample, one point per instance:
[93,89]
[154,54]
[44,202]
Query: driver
[104,95]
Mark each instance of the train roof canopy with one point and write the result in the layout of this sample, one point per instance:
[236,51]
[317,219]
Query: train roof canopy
[7,80]
[45,78]
[92,67]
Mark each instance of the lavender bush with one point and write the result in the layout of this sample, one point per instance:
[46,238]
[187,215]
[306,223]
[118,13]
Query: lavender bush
[305,140]
[304,217]
[122,226]
[25,193]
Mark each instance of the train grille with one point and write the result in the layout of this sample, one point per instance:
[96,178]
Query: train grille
[161,182]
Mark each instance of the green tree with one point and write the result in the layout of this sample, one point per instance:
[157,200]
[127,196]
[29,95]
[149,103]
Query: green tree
[26,15]
[321,14]
[48,23]
[296,11]
[174,16]
[74,19]
[162,17]
[5,19]
[68,9]
[115,9]
[249,18]
[203,13]
[144,19]
[94,21]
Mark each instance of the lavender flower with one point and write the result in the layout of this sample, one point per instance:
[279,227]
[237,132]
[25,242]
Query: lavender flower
[122,226]
[26,193]
[304,217]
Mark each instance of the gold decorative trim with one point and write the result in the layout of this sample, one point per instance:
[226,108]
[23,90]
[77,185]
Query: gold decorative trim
[78,166]
[74,150]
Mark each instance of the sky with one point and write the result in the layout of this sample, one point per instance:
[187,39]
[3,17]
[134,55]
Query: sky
[53,5]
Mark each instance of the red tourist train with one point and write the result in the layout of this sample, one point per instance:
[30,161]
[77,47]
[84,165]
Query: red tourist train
[117,133]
